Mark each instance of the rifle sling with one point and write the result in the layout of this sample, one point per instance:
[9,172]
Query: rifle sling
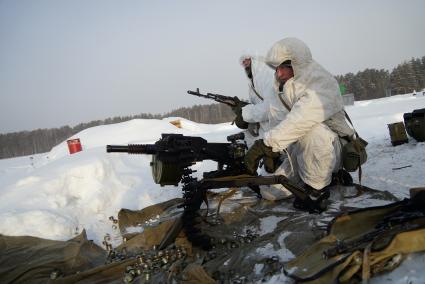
[255,91]
[283,101]
[226,195]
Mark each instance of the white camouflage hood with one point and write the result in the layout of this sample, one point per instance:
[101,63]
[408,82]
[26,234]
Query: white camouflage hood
[289,49]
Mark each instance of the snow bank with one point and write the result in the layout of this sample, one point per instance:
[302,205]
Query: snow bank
[55,195]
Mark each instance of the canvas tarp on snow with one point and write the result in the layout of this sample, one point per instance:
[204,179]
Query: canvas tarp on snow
[253,238]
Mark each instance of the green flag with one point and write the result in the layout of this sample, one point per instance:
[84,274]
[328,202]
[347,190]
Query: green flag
[342,89]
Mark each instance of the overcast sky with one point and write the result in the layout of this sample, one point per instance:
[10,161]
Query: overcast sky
[66,62]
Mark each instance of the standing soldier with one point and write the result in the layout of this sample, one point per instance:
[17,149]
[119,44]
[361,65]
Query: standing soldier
[261,114]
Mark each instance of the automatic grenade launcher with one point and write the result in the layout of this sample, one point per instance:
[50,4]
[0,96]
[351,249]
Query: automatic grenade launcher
[173,154]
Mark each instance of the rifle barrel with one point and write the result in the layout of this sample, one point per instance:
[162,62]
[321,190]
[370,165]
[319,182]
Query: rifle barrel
[194,93]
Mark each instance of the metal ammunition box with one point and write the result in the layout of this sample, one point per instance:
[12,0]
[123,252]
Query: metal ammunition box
[397,133]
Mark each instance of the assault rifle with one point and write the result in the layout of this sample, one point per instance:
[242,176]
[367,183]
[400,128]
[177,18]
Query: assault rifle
[361,242]
[230,101]
[172,156]
[383,232]
[253,128]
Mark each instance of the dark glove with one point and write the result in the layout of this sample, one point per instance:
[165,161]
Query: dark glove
[237,109]
[260,151]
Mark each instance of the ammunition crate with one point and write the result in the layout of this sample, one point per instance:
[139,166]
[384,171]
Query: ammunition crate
[397,133]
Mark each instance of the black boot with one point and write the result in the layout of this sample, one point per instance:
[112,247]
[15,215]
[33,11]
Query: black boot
[342,177]
[318,197]
[299,204]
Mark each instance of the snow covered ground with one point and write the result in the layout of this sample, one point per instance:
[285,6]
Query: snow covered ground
[55,195]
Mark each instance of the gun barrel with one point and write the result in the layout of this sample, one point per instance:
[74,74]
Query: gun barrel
[132,149]
[116,148]
[194,93]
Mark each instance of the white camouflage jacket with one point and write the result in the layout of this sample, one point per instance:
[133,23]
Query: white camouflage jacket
[312,94]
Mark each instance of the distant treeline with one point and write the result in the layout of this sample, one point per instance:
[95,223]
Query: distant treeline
[42,140]
[365,85]
[371,83]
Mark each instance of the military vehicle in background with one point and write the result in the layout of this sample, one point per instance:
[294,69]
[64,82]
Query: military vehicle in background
[415,124]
